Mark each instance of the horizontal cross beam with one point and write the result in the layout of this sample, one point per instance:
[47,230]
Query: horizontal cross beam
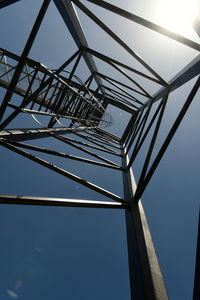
[46,201]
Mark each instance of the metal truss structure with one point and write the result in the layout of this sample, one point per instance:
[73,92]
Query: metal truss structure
[73,107]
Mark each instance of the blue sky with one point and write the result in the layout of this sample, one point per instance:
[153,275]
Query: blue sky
[83,251]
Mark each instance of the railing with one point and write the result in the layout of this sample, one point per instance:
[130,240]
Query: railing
[58,99]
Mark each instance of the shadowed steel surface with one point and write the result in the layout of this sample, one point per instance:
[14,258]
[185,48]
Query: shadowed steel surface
[145,274]
[196,292]
[4,3]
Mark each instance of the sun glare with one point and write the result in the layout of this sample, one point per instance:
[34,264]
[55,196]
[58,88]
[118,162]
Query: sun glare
[177,15]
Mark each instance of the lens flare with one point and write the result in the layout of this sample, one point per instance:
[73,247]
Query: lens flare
[177,15]
[13,293]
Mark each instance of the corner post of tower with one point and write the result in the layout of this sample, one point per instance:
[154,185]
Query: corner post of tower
[196,290]
[146,280]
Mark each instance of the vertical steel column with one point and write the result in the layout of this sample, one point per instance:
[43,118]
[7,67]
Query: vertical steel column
[146,281]
[196,292]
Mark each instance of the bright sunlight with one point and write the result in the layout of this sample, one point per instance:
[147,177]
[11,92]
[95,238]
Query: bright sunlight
[177,15]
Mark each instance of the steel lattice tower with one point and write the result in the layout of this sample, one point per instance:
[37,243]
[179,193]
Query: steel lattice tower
[60,95]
